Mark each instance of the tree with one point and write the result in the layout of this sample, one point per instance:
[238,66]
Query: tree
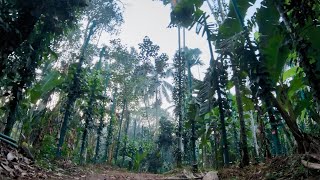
[149,53]
[26,16]
[109,19]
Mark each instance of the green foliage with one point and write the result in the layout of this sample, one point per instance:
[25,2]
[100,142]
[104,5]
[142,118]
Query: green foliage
[139,157]
[186,12]
[49,82]
[271,40]
[165,139]
[47,150]
[155,161]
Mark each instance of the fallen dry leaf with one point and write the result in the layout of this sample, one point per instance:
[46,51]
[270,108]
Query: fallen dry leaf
[7,168]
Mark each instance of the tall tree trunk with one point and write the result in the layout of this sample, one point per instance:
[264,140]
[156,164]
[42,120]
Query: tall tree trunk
[134,128]
[157,102]
[88,120]
[179,106]
[274,127]
[27,73]
[68,110]
[243,133]
[254,135]
[236,143]
[213,65]
[13,105]
[305,142]
[224,144]
[73,94]
[262,132]
[126,135]
[119,132]
[99,132]
[214,143]
[147,112]
[84,141]
[111,124]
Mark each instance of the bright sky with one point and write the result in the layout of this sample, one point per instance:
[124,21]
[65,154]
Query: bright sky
[151,18]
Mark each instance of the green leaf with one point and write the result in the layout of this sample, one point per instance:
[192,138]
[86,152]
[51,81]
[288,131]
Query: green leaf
[271,40]
[257,36]
[289,73]
[295,84]
[49,82]
[232,25]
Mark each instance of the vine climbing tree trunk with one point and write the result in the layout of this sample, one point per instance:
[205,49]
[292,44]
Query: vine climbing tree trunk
[243,132]
[119,132]
[111,124]
[126,135]
[88,120]
[73,93]
[274,127]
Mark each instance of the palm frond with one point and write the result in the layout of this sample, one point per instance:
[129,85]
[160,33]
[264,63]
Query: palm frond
[167,85]
[165,93]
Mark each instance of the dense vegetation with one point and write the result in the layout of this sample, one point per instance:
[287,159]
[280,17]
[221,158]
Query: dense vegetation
[65,95]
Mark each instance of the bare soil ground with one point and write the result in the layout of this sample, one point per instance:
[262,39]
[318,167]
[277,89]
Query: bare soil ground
[15,165]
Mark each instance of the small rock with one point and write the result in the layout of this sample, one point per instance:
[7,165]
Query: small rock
[10,156]
[211,175]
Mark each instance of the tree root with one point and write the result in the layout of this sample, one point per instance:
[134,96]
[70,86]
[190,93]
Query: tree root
[315,156]
[310,165]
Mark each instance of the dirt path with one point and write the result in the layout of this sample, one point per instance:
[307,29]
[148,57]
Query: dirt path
[118,175]
[98,172]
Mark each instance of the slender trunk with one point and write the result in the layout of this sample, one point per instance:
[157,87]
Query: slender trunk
[243,134]
[84,141]
[274,127]
[110,128]
[71,98]
[101,125]
[193,128]
[179,106]
[305,142]
[236,141]
[13,105]
[120,127]
[68,110]
[262,132]
[157,102]
[147,112]
[126,135]
[193,144]
[213,64]
[134,129]
[214,147]
[99,132]
[224,144]
[253,129]
[88,121]
[73,94]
